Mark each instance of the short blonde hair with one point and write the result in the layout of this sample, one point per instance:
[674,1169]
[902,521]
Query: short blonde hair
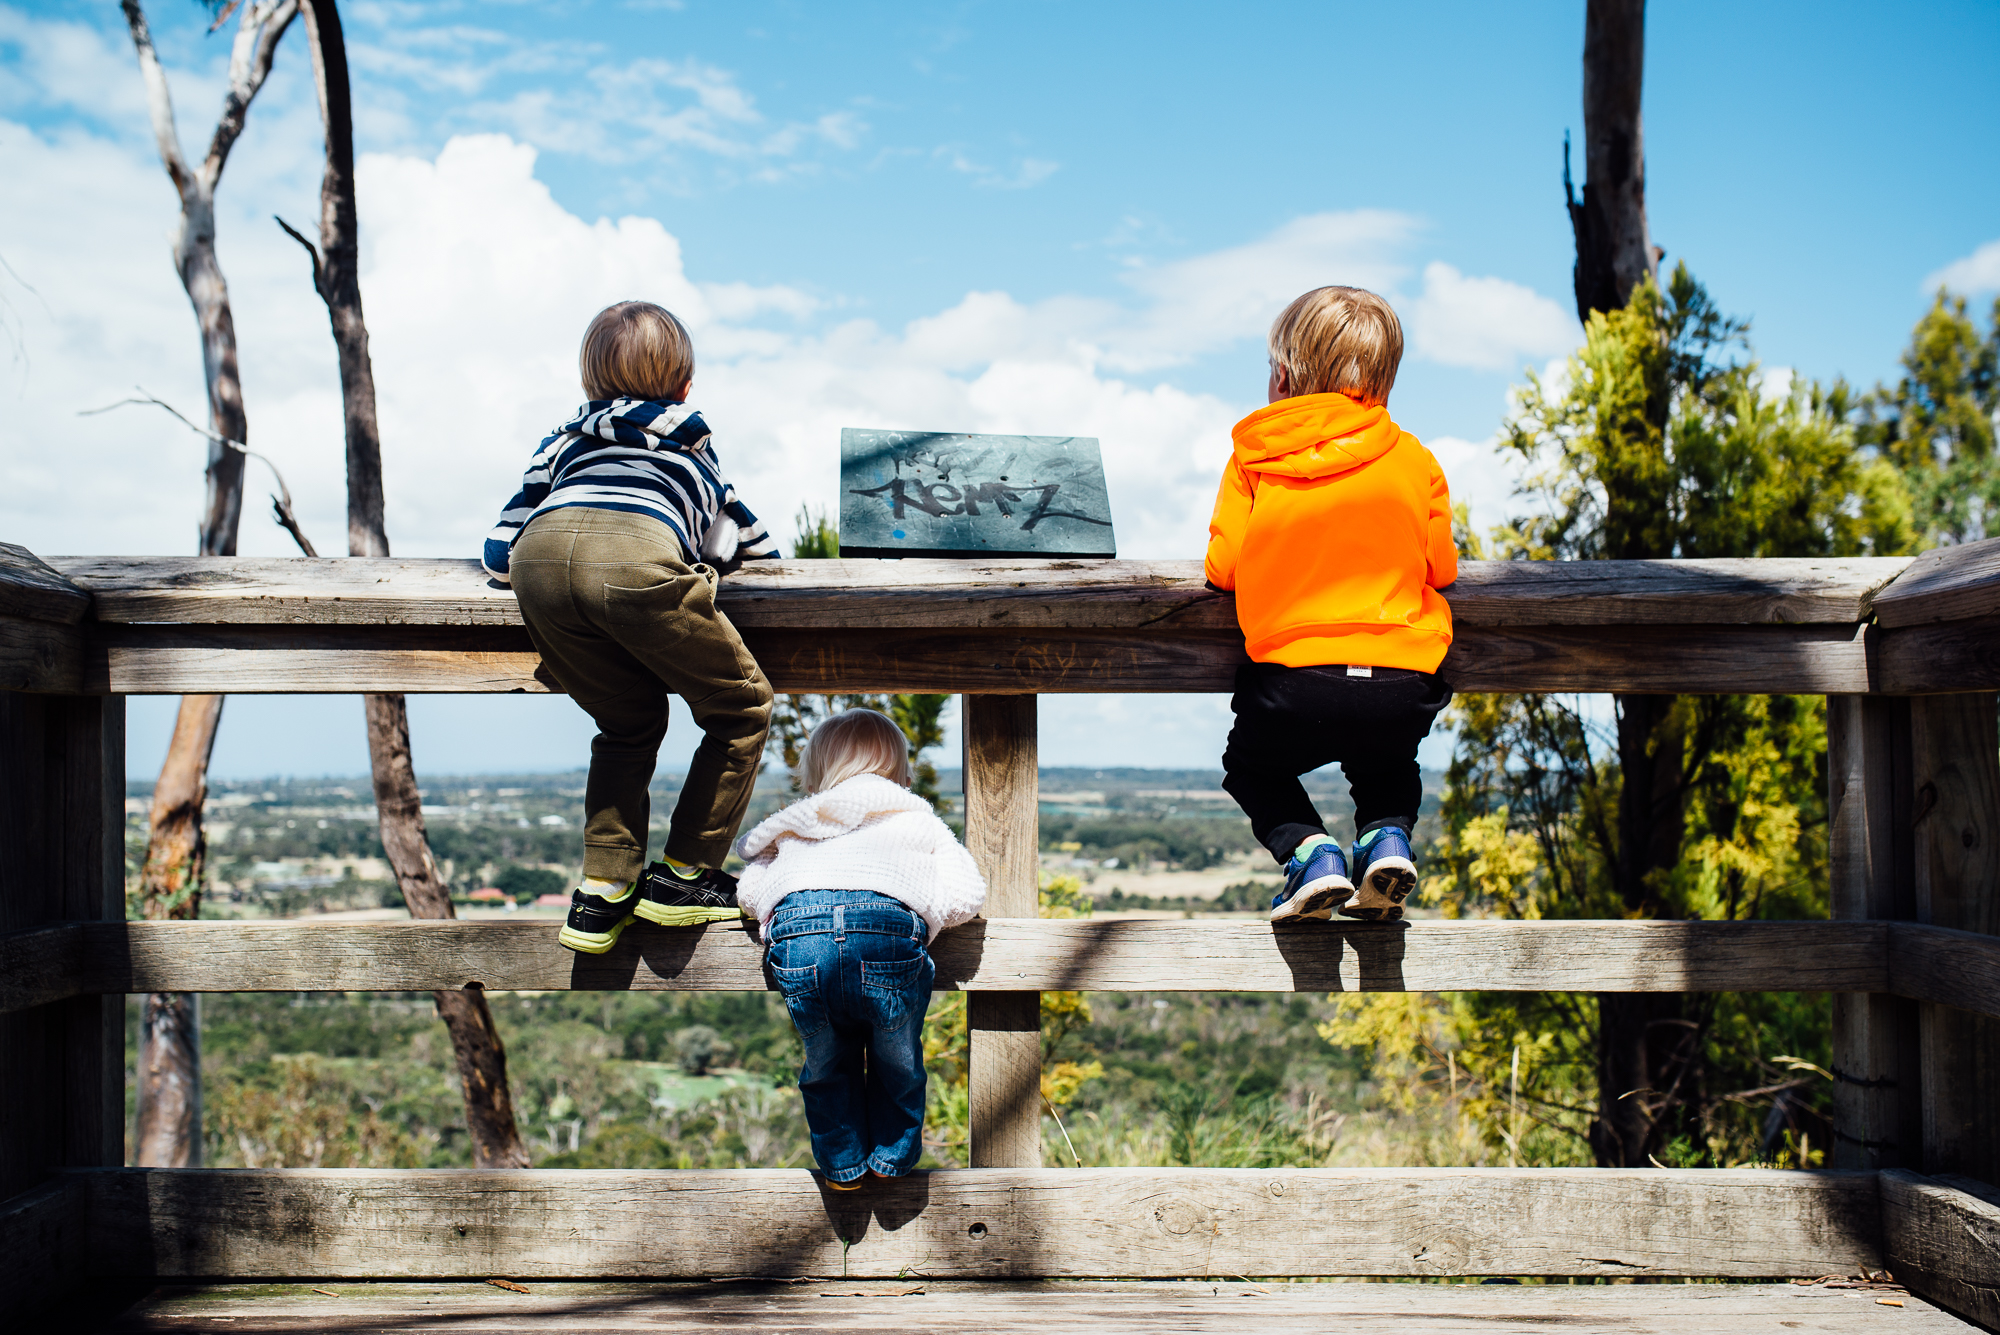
[1339,340]
[858,741]
[636,350]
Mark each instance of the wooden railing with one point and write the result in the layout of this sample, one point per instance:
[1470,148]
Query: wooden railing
[1908,653]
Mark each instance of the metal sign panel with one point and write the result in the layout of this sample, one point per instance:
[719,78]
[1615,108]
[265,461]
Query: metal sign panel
[941,493]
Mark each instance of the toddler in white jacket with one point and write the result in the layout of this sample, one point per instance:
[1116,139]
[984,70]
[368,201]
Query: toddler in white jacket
[850,885]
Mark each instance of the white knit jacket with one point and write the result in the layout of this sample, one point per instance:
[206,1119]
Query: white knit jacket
[864,833]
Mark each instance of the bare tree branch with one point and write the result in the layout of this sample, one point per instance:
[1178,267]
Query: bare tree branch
[281,504]
[159,99]
[257,34]
[311,250]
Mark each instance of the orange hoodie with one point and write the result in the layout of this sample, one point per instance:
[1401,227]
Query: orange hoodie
[1333,526]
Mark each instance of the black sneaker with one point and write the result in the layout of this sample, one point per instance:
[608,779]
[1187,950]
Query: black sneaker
[674,897]
[595,922]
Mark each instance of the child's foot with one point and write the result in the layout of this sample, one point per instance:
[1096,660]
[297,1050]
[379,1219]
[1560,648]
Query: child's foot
[1384,875]
[687,896]
[1315,881]
[855,1185]
[598,912]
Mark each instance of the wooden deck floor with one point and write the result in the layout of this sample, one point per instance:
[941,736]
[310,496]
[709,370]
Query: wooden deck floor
[1240,1307]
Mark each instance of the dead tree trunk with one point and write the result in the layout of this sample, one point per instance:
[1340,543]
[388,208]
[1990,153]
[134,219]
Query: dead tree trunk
[1642,1041]
[482,1059]
[1614,252]
[169,1115]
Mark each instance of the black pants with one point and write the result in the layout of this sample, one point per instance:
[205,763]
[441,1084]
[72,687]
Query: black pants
[1291,721]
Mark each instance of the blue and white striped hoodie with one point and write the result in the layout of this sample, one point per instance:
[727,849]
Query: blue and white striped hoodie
[643,457]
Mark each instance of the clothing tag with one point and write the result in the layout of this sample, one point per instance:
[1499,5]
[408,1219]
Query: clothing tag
[1361,672]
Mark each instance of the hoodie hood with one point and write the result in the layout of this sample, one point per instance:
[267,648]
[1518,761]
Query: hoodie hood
[841,809]
[647,423]
[1314,435]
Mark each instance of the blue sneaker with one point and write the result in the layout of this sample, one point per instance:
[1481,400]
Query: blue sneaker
[1384,875]
[1313,885]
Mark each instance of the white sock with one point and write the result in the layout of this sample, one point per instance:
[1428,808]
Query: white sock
[605,889]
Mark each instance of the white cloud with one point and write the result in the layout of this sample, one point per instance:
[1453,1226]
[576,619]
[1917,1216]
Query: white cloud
[1977,272]
[1210,301]
[1027,173]
[1486,323]
[478,284]
[1774,383]
[1480,477]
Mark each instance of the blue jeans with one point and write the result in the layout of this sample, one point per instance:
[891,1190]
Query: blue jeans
[857,981]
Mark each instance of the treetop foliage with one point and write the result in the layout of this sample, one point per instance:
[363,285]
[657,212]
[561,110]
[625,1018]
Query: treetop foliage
[1937,424]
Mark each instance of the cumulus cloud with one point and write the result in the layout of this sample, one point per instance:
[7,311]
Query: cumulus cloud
[1977,272]
[1488,324]
[1209,301]
[478,283]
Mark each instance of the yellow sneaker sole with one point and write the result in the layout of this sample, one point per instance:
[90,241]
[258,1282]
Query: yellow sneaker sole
[685,917]
[592,943]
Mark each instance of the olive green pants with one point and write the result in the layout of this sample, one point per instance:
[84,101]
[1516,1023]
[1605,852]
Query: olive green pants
[622,622]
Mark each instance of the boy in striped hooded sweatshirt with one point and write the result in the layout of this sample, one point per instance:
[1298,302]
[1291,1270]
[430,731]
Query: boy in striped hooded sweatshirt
[613,546]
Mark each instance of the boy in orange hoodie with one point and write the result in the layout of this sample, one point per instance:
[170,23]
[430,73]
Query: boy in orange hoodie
[1333,526]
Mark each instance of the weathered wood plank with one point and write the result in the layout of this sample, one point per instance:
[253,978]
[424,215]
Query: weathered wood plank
[998,955]
[41,656]
[31,588]
[1944,584]
[1004,1029]
[41,1247]
[180,659]
[1939,659]
[1877,1113]
[976,594]
[1222,1306]
[981,1223]
[1693,660]
[1945,967]
[1941,1236]
[39,965]
[61,861]
[1955,765]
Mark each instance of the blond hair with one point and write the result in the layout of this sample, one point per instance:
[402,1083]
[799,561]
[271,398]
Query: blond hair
[1339,340]
[858,741]
[636,350]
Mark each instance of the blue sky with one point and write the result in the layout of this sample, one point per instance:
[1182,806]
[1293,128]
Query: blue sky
[1024,217]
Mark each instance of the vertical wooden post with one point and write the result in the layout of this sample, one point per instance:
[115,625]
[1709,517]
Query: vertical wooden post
[62,1093]
[62,858]
[1877,1091]
[1955,767]
[1004,1073]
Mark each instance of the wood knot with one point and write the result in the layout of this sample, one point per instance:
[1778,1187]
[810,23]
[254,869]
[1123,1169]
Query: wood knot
[1444,1256]
[1180,1217]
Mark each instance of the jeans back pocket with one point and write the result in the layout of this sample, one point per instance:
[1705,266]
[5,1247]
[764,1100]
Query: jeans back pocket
[894,988]
[800,988]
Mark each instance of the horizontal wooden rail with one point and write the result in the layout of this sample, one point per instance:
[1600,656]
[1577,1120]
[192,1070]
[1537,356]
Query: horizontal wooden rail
[44,964]
[170,625]
[919,594]
[1941,1236]
[979,1223]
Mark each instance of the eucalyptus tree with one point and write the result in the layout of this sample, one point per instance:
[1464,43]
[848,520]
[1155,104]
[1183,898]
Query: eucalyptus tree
[168,1133]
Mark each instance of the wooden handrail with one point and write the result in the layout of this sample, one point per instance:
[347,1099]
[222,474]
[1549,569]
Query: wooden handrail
[169,625]
[1962,969]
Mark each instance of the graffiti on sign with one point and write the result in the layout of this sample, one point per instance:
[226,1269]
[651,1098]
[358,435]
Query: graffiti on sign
[934,493]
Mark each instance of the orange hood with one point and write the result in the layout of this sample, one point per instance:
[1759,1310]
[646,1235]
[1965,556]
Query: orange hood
[1314,435]
[1333,526]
